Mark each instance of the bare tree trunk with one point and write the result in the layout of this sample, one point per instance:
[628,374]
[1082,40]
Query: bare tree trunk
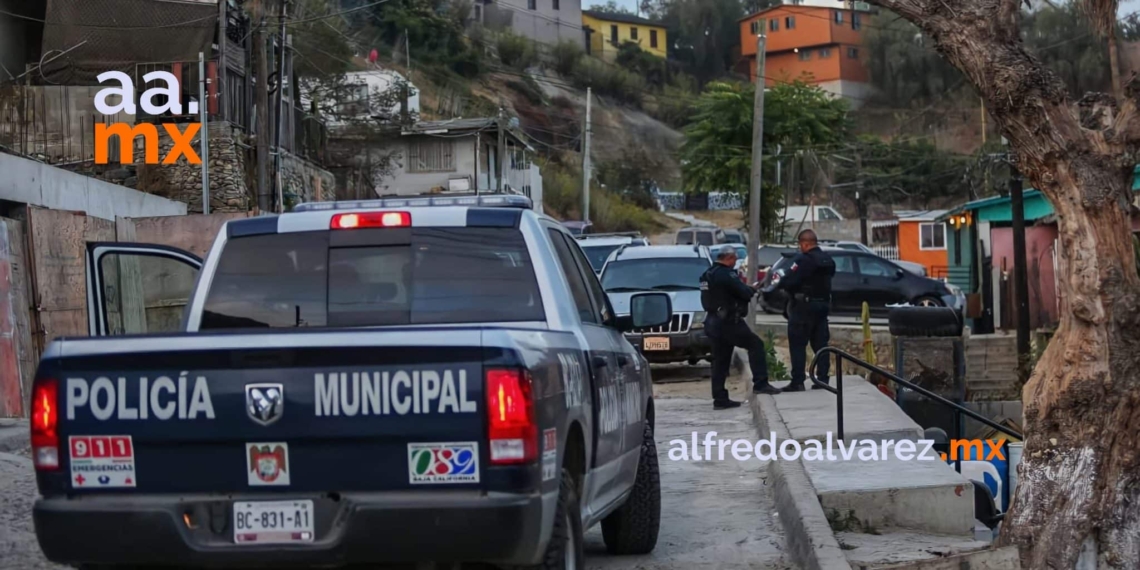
[1114,62]
[264,192]
[1079,484]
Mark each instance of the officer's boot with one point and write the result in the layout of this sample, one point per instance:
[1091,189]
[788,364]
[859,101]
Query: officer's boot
[795,387]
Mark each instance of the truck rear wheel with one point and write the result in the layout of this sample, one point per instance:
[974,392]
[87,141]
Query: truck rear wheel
[633,528]
[564,551]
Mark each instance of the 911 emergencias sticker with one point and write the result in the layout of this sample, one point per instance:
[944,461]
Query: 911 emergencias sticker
[102,461]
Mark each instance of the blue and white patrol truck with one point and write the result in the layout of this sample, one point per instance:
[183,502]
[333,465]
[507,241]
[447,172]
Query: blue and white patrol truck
[432,380]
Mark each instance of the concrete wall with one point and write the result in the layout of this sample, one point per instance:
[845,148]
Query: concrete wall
[404,182]
[305,181]
[30,182]
[543,24]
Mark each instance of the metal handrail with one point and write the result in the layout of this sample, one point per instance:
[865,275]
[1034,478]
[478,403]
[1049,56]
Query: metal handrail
[838,389]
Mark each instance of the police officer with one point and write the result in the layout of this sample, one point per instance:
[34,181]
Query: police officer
[725,300]
[808,283]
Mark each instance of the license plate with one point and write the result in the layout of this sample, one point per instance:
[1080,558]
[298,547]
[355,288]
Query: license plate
[273,522]
[656,343]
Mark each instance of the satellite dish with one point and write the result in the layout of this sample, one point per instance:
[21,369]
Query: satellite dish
[514,122]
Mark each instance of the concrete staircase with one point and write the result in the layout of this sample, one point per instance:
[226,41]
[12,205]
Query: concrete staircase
[868,511]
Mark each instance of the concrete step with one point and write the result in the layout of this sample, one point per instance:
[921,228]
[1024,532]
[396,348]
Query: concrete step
[917,551]
[867,414]
[868,496]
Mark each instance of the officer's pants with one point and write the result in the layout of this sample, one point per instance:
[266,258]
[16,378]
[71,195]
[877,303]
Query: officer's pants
[726,335]
[807,324]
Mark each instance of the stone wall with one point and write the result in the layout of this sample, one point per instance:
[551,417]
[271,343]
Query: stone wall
[305,181]
[183,181]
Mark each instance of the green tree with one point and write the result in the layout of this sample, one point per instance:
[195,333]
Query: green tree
[610,7]
[704,35]
[913,172]
[716,154]
[434,28]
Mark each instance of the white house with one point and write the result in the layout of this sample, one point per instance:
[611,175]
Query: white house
[461,156]
[360,98]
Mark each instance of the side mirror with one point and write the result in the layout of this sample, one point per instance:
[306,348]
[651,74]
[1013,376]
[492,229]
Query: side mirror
[900,273]
[647,310]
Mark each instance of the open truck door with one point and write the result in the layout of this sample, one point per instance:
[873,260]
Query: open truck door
[136,288]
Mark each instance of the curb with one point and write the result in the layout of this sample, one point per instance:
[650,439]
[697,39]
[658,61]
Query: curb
[808,538]
[14,436]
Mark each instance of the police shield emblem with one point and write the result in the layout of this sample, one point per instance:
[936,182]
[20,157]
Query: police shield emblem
[265,403]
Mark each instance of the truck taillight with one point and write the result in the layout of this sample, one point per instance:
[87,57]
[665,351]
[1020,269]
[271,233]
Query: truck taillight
[371,220]
[511,428]
[45,424]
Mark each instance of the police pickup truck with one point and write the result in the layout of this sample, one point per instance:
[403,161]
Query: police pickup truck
[436,380]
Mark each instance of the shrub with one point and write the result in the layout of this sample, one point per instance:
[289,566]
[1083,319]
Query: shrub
[516,51]
[611,213]
[609,80]
[566,55]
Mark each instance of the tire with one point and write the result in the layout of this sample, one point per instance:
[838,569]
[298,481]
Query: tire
[564,551]
[927,301]
[633,528]
[925,322]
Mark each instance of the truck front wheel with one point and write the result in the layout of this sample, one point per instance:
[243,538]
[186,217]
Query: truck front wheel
[633,528]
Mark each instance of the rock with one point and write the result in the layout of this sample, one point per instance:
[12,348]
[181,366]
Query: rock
[118,174]
[131,182]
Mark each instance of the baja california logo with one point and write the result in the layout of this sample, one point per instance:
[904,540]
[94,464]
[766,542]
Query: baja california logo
[443,462]
[268,463]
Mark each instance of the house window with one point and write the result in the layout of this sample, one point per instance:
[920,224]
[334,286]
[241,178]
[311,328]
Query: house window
[773,25]
[554,4]
[790,23]
[852,53]
[613,35]
[653,38]
[824,53]
[932,236]
[855,24]
[531,4]
[805,54]
[633,33]
[754,29]
[431,156]
[838,17]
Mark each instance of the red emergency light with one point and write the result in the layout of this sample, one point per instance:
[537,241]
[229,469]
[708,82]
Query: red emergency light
[371,220]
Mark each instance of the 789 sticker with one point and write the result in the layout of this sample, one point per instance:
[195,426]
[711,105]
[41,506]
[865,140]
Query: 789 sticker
[102,461]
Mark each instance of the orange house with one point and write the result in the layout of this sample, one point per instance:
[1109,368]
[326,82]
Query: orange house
[922,239]
[818,45]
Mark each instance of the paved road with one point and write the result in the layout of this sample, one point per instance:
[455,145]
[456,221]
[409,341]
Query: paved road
[716,515]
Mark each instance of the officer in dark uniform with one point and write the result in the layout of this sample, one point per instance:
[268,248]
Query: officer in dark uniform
[808,283]
[725,300]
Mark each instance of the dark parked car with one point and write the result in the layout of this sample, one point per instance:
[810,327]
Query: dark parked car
[863,277]
[735,236]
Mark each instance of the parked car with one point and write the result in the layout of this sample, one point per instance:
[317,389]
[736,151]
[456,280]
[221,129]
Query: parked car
[598,247]
[676,270]
[708,236]
[735,236]
[860,277]
[915,268]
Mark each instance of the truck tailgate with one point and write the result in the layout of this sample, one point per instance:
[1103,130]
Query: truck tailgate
[362,410]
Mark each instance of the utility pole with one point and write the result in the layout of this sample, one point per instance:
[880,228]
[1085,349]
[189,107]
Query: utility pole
[280,192]
[860,198]
[502,153]
[223,16]
[264,192]
[408,53]
[756,198]
[1020,280]
[204,132]
[586,162]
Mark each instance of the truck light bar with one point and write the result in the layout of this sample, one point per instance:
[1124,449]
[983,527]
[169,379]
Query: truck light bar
[499,200]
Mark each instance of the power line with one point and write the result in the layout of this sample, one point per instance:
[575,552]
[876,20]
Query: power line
[106,27]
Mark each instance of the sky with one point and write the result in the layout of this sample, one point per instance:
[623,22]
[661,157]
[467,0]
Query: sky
[1126,6]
